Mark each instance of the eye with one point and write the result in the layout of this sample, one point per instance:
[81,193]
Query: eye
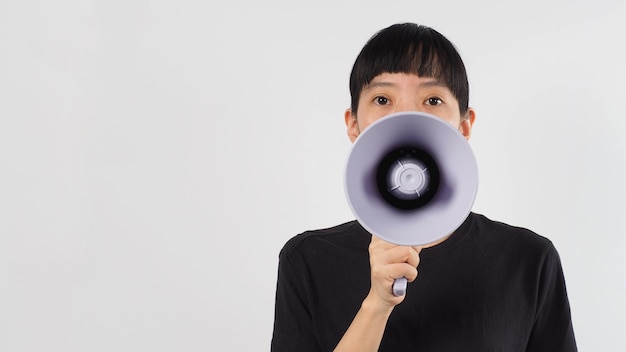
[434,101]
[380,100]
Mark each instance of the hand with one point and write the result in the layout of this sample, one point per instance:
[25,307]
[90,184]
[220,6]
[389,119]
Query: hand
[389,262]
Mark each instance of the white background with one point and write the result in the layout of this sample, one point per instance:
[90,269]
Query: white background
[156,155]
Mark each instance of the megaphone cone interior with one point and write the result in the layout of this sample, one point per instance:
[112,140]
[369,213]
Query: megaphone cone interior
[411,178]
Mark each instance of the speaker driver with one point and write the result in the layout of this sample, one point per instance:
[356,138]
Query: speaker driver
[407,178]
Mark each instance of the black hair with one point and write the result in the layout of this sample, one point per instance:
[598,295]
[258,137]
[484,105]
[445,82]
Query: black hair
[410,48]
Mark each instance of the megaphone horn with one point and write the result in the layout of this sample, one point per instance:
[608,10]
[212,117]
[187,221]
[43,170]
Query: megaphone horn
[411,178]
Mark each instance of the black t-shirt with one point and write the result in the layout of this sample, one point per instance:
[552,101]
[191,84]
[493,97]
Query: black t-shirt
[488,287]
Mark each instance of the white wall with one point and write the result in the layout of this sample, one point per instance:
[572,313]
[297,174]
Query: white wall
[156,155]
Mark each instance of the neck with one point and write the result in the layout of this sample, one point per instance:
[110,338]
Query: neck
[432,244]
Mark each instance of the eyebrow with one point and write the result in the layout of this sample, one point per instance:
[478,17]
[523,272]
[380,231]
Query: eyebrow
[429,83]
[434,83]
[378,84]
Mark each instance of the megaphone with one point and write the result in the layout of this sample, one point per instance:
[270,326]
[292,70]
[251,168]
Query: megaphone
[410,179]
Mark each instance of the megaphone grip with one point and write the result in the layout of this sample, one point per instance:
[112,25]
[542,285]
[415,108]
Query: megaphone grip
[399,286]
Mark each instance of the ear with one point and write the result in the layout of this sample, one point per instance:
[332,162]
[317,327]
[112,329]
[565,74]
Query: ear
[467,122]
[352,125]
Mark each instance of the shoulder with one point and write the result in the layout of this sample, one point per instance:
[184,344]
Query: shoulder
[514,238]
[342,236]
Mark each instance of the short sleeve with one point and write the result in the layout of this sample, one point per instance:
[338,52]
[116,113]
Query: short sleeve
[552,330]
[293,328]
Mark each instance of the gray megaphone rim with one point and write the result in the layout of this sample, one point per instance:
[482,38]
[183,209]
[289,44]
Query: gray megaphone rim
[457,190]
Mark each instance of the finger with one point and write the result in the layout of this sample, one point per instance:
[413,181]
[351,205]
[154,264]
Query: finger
[404,270]
[388,273]
[397,254]
[377,244]
[414,257]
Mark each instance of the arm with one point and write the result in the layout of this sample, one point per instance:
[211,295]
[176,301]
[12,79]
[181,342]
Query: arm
[387,262]
[293,326]
[553,329]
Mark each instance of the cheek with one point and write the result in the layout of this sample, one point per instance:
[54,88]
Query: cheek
[363,122]
[453,118]
[363,125]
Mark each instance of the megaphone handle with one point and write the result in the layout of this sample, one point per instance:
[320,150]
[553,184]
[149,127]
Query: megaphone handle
[399,286]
